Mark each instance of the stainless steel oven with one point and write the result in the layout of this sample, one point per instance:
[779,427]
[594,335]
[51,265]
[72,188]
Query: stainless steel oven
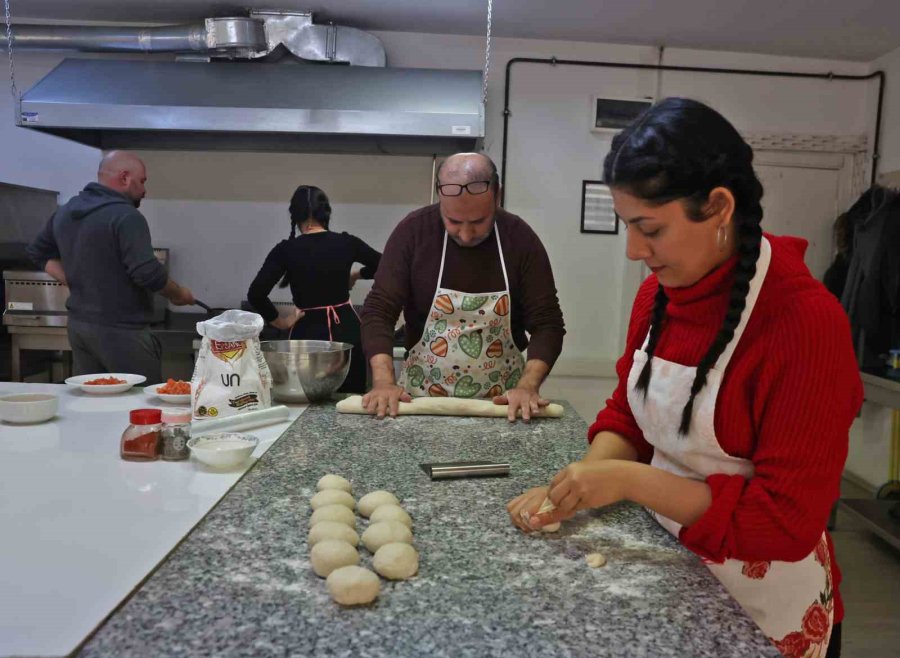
[36,315]
[36,299]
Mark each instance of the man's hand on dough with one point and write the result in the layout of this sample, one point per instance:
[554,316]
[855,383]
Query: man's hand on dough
[385,399]
[528,400]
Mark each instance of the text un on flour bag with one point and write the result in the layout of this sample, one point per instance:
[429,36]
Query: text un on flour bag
[231,375]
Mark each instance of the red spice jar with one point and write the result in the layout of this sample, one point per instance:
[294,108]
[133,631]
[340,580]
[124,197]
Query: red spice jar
[140,441]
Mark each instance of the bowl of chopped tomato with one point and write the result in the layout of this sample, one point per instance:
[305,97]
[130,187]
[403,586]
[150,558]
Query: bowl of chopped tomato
[105,383]
[175,391]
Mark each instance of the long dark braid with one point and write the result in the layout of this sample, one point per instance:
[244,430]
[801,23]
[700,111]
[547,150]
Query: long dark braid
[656,322]
[683,149]
[749,238]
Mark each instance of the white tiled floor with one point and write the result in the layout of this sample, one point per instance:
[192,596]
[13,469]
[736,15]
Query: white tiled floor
[588,395]
[871,587]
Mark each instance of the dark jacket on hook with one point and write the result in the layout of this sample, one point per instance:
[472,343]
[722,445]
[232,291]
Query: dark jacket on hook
[871,294]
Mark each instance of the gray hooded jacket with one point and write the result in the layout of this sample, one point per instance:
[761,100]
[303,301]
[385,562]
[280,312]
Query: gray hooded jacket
[104,245]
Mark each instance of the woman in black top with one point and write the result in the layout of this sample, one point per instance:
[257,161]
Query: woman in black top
[317,265]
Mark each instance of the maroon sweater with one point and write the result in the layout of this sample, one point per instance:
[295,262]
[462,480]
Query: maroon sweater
[407,277]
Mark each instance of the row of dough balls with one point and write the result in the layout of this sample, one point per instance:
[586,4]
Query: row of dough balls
[333,540]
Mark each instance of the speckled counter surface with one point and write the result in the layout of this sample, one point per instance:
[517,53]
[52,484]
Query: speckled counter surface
[241,585]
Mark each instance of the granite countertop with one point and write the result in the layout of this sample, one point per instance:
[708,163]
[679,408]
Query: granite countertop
[241,584]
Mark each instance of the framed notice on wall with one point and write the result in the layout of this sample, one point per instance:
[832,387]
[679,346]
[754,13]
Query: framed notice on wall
[597,213]
[613,114]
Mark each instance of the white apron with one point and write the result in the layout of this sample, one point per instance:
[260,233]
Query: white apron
[466,349]
[790,601]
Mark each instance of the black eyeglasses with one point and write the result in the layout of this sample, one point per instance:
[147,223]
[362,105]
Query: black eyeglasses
[475,187]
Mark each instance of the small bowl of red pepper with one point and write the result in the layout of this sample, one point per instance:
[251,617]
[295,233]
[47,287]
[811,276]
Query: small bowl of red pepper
[223,451]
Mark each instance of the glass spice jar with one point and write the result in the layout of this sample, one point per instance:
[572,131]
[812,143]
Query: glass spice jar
[140,440]
[175,433]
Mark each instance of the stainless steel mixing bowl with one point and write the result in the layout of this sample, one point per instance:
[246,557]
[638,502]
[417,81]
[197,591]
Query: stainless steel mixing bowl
[306,370]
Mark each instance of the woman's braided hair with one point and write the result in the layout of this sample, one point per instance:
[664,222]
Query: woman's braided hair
[682,149]
[307,201]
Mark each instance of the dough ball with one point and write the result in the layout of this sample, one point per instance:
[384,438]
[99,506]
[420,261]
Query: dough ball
[396,561]
[331,481]
[370,501]
[331,554]
[332,497]
[353,585]
[332,530]
[338,513]
[548,506]
[595,560]
[385,532]
[391,513]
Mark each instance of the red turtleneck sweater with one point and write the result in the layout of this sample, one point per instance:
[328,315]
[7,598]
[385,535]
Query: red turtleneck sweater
[787,400]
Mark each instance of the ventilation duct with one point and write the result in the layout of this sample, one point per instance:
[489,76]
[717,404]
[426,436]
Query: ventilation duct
[263,34]
[297,34]
[239,98]
[214,35]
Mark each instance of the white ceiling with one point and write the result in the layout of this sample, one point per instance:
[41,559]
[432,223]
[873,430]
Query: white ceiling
[833,29]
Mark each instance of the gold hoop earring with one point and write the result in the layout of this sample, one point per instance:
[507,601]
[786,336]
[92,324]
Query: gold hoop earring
[722,238]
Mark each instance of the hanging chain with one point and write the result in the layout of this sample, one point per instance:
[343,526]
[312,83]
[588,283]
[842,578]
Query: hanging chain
[487,53]
[9,49]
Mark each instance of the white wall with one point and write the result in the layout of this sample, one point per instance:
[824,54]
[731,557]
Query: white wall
[551,150]
[221,212]
[870,436]
[890,123]
[32,159]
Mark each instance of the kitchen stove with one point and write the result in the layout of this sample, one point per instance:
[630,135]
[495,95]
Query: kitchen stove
[36,299]
[36,316]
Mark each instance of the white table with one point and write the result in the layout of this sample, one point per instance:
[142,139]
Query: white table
[80,528]
[877,515]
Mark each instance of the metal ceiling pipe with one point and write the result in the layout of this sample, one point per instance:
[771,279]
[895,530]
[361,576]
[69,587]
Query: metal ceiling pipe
[256,36]
[214,34]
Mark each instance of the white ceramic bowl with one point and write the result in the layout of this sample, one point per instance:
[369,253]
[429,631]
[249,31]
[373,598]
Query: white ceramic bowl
[223,450]
[28,407]
[105,389]
[167,397]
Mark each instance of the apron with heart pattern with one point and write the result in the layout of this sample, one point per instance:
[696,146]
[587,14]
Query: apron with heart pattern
[466,349]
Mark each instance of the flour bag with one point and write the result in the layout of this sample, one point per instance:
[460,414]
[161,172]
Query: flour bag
[231,375]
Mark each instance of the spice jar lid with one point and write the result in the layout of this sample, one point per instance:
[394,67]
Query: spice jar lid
[145,416]
[176,415]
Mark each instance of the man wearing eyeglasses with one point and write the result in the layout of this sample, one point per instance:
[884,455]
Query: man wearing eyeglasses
[476,289]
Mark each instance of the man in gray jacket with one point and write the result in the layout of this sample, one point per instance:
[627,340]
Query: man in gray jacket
[99,245]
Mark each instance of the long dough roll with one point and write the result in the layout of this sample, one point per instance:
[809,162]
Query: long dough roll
[447,407]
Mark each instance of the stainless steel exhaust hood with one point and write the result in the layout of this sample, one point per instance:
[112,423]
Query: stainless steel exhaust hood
[254,106]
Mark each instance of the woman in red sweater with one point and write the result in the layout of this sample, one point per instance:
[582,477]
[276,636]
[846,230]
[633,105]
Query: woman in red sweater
[737,387]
